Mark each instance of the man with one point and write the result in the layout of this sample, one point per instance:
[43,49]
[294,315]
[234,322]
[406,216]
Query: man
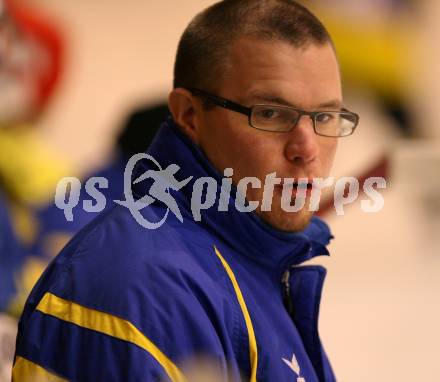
[125,303]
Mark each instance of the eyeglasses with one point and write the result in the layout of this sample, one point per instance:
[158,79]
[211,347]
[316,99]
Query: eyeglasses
[282,119]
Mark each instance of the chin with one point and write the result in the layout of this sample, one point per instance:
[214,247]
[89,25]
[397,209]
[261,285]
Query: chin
[287,221]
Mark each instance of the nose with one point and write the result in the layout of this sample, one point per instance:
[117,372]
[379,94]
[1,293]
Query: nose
[302,145]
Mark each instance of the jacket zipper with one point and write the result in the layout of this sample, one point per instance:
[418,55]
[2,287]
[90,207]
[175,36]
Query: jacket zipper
[287,300]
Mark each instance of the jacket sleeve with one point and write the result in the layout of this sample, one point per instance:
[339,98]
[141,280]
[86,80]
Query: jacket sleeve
[121,321]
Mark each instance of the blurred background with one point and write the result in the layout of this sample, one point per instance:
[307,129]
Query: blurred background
[83,86]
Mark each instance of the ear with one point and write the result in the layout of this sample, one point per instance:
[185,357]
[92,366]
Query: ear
[183,106]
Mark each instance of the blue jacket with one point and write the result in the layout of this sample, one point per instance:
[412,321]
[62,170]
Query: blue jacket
[125,303]
[23,261]
[11,256]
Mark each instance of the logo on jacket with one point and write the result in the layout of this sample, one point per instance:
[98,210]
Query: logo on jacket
[163,181]
[294,366]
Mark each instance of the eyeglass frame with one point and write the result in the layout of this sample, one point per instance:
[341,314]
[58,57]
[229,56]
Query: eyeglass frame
[234,106]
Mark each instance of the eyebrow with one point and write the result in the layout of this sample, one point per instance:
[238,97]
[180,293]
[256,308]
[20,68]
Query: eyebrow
[337,104]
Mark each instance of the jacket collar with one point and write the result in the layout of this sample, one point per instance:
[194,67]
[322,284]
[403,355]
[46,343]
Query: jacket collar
[246,233]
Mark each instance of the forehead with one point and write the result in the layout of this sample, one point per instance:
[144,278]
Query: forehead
[304,76]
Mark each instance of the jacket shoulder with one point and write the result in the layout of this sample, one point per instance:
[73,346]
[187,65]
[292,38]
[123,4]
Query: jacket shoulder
[117,266]
[166,285]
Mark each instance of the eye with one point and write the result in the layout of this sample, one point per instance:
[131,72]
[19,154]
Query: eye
[269,113]
[325,117]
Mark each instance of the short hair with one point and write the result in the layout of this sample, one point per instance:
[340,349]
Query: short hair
[203,49]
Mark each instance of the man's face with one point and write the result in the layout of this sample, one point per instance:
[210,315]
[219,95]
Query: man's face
[273,73]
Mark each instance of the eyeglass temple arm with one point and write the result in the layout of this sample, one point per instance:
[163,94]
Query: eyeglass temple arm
[222,102]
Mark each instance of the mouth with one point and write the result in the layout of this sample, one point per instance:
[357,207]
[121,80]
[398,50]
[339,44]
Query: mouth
[303,186]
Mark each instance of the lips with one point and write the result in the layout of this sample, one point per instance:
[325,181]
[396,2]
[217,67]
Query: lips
[300,184]
[296,187]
